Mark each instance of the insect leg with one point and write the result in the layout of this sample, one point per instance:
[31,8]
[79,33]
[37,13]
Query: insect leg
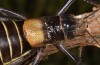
[38,57]
[22,59]
[5,19]
[80,54]
[35,58]
[68,53]
[93,37]
[7,13]
[94,2]
[65,7]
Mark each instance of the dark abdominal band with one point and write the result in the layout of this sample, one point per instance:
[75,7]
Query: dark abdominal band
[58,26]
[10,44]
[69,25]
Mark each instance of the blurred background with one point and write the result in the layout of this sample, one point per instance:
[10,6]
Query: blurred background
[38,8]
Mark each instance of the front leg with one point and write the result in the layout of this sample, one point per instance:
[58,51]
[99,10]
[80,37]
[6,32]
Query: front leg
[62,48]
[9,14]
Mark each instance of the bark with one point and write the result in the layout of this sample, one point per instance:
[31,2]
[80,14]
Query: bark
[87,32]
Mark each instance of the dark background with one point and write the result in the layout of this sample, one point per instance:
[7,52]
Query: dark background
[38,8]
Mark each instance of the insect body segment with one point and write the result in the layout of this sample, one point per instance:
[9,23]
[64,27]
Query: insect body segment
[12,42]
[33,30]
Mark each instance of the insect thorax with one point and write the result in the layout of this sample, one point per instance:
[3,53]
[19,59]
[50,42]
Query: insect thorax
[56,28]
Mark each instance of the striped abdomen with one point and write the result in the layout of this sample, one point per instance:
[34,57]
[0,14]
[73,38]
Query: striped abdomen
[12,41]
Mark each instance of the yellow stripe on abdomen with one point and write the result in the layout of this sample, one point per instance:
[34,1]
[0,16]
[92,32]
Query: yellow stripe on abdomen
[19,36]
[9,41]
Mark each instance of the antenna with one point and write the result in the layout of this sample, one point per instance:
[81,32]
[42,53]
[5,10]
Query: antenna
[65,7]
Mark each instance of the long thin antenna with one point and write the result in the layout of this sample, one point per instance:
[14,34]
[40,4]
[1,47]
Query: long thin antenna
[65,7]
